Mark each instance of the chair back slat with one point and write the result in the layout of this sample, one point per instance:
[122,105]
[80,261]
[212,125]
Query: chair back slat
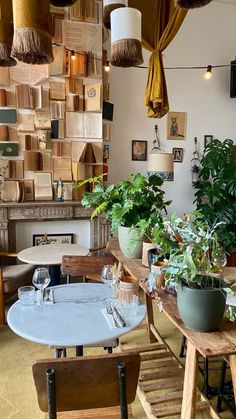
[88,382]
[85,265]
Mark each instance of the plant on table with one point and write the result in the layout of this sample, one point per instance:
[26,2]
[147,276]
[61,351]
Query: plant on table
[196,254]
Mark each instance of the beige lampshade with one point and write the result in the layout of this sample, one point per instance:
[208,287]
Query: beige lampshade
[161,163]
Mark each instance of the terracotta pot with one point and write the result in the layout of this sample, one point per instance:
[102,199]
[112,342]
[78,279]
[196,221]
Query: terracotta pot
[157,267]
[128,286]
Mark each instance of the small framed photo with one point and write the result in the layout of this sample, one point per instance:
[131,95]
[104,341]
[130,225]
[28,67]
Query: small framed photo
[178,154]
[139,150]
[207,139]
[44,239]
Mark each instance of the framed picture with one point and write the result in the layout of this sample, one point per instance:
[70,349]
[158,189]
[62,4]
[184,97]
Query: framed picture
[178,154]
[207,139]
[176,126]
[139,150]
[43,239]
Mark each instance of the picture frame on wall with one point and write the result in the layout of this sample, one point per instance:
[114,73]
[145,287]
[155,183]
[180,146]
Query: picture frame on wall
[207,139]
[44,239]
[139,150]
[176,125]
[178,154]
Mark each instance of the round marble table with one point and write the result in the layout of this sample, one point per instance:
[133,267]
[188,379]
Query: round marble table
[51,255]
[74,319]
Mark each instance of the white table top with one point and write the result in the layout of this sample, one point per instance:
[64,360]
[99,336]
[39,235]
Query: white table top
[50,254]
[74,319]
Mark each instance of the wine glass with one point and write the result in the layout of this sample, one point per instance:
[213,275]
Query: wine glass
[41,279]
[109,279]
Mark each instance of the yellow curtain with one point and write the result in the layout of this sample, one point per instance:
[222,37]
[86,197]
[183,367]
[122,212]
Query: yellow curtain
[161,21]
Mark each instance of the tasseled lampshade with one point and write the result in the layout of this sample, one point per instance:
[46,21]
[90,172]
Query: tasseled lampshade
[126,48]
[192,4]
[6,34]
[32,42]
[62,3]
[108,7]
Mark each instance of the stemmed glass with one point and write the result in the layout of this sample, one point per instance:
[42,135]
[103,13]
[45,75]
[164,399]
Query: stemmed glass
[41,279]
[109,279]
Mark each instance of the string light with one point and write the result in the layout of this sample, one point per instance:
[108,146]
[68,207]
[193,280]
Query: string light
[73,57]
[107,66]
[208,73]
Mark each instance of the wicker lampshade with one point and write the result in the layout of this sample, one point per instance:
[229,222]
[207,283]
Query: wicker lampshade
[108,7]
[192,4]
[126,48]
[162,164]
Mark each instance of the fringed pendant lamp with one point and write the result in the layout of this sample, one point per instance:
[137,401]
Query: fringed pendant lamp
[192,4]
[6,34]
[160,163]
[126,48]
[62,3]
[108,7]
[32,39]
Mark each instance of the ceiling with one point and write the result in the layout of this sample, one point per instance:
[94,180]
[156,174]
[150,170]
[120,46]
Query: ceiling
[227,1]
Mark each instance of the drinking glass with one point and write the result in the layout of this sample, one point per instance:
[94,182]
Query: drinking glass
[41,279]
[109,279]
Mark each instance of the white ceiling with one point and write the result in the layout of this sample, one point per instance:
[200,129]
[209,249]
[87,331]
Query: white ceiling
[227,1]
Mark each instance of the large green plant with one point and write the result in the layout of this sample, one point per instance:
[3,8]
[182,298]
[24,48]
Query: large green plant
[132,200]
[216,190]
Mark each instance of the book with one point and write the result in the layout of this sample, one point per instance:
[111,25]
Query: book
[28,190]
[11,98]
[74,85]
[10,191]
[107,110]
[13,133]
[57,90]
[93,125]
[25,122]
[16,169]
[84,11]
[32,161]
[28,142]
[79,64]
[43,186]
[5,76]
[78,171]
[57,19]
[106,131]
[46,161]
[74,103]
[42,120]
[24,96]
[62,169]
[94,64]
[106,91]
[7,116]
[78,149]
[37,93]
[44,140]
[4,133]
[3,97]
[74,125]
[57,109]
[61,149]
[9,148]
[4,168]
[57,128]
[61,61]
[92,96]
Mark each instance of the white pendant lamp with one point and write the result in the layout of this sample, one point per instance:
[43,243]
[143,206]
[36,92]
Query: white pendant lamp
[126,48]
[108,7]
[160,163]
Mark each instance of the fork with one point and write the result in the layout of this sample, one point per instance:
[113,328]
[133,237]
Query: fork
[110,311]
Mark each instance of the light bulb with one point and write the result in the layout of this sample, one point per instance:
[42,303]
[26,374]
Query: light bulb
[208,73]
[107,66]
[73,56]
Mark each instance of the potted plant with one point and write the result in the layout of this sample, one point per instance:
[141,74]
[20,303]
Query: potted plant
[196,259]
[127,203]
[216,190]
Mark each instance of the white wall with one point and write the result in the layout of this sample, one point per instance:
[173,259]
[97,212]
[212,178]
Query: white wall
[25,231]
[207,36]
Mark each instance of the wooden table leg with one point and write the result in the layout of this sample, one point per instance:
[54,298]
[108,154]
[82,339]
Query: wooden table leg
[190,383]
[232,363]
[150,318]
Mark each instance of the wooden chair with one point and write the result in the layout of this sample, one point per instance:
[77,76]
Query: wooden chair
[103,384]
[88,267]
[11,278]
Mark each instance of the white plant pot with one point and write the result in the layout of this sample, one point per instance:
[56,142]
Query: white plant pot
[125,236]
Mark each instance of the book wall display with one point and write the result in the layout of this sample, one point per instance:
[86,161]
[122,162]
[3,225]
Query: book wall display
[51,115]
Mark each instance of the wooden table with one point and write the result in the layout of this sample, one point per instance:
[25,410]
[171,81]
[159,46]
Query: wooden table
[219,343]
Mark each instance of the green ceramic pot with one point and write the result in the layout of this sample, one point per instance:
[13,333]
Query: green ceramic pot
[201,310]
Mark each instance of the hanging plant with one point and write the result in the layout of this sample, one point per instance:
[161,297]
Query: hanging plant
[62,3]
[192,4]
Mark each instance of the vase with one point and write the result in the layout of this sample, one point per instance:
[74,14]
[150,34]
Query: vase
[201,309]
[147,246]
[128,286]
[157,267]
[130,242]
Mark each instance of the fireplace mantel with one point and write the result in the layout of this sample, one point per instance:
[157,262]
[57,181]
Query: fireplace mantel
[12,212]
